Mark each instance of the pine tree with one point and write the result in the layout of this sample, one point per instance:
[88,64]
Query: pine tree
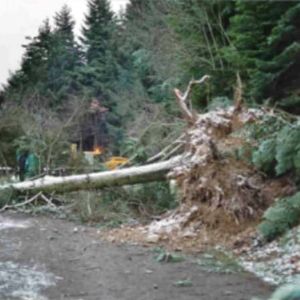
[65,56]
[32,74]
[265,48]
[277,73]
[36,57]
[97,30]
[98,34]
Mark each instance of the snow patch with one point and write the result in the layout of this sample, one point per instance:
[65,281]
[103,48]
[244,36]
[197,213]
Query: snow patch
[24,283]
[174,222]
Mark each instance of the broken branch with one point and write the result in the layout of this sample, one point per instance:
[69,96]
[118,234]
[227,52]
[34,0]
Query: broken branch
[182,98]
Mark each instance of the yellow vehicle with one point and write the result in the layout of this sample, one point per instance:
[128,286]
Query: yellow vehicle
[115,162]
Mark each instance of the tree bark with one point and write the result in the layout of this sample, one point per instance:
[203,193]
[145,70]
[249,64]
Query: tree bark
[128,176]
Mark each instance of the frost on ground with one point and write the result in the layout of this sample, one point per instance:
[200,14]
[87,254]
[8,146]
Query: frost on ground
[8,223]
[277,262]
[176,223]
[22,282]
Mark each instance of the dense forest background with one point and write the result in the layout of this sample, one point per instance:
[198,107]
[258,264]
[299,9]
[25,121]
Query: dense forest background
[132,62]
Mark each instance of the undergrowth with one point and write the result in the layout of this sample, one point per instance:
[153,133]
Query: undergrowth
[275,150]
[279,218]
[276,145]
[115,206]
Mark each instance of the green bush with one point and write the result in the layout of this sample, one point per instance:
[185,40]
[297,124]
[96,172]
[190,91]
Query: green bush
[278,150]
[264,157]
[279,218]
[287,149]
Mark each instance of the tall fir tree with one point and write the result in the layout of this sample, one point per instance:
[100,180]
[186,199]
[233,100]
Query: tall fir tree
[65,57]
[265,49]
[32,75]
[97,29]
[98,34]
[276,76]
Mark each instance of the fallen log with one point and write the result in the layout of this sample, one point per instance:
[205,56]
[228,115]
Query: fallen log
[133,175]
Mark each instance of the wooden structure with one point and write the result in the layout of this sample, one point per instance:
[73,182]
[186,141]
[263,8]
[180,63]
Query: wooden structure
[93,133]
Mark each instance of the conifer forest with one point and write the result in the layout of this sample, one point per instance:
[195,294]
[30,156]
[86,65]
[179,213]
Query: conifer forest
[164,140]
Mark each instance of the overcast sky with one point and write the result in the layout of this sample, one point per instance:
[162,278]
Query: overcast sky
[20,18]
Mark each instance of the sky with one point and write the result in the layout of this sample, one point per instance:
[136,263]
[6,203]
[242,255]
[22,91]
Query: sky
[21,18]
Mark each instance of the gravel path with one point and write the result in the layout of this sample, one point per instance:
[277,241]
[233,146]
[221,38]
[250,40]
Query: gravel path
[43,258]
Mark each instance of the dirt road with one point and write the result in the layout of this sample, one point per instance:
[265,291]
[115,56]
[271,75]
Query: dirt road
[43,258]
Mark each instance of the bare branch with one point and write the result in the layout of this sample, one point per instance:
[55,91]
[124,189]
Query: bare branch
[165,152]
[182,98]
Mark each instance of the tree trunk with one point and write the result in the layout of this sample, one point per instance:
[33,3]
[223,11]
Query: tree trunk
[128,176]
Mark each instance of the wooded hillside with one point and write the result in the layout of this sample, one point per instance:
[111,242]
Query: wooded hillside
[132,61]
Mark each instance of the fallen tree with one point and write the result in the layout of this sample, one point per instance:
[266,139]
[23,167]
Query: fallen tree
[221,191]
[216,181]
[152,172]
[128,176]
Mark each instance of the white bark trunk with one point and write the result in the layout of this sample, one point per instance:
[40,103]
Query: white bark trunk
[133,175]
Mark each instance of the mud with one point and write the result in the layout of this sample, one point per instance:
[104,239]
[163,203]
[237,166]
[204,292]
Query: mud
[43,258]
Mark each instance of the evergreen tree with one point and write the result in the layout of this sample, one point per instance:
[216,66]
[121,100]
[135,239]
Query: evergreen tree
[98,31]
[35,59]
[151,47]
[265,49]
[277,72]
[32,75]
[65,56]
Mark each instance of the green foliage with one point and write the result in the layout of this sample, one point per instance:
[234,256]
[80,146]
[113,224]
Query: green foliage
[101,58]
[281,217]
[11,120]
[219,102]
[132,64]
[289,291]
[279,69]
[278,152]
[218,261]
[201,28]
[264,157]
[287,150]
[160,44]
[48,64]
[163,256]
[6,196]
[113,207]
[183,283]
[97,30]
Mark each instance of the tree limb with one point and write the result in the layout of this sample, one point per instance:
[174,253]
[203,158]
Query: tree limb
[182,99]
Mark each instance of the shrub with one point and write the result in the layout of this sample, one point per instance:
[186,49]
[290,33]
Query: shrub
[281,217]
[278,146]
[264,157]
[114,206]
